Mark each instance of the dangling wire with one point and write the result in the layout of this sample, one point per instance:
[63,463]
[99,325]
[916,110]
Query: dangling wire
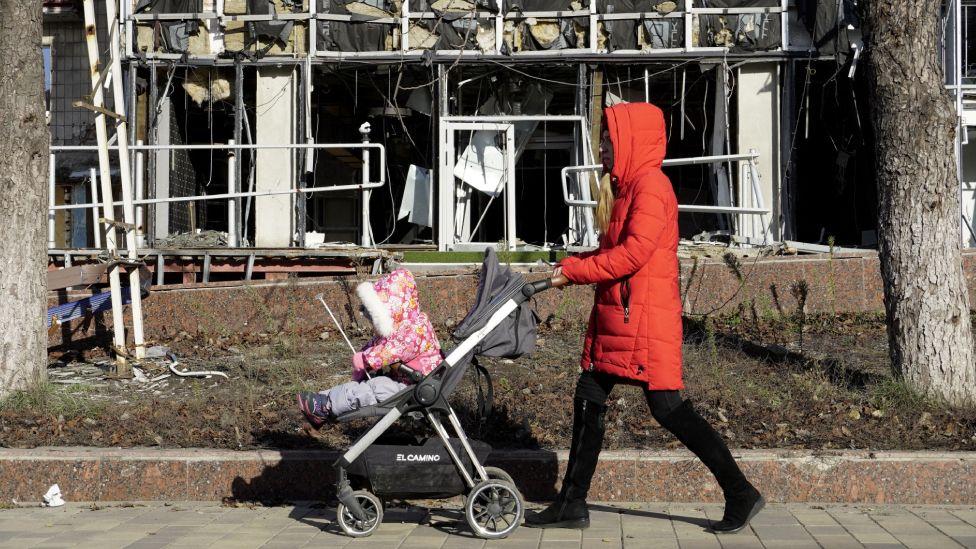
[545,184]
[211,128]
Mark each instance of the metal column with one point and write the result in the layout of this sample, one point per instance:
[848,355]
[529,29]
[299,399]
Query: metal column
[367,236]
[104,164]
[233,237]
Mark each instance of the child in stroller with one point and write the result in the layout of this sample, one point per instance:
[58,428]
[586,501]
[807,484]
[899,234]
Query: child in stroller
[382,465]
[404,342]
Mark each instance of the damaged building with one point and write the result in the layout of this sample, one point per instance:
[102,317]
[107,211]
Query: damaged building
[448,125]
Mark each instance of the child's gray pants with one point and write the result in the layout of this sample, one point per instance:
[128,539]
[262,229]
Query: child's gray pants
[356,394]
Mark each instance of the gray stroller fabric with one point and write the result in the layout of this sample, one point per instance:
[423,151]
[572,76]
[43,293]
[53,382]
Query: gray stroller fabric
[515,336]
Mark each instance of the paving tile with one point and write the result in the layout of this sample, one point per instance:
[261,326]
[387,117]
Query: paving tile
[601,533]
[147,545]
[878,540]
[967,515]
[742,540]
[828,530]
[619,526]
[561,534]
[969,542]
[839,542]
[602,544]
[926,541]
[704,543]
[783,532]
[460,543]
[671,543]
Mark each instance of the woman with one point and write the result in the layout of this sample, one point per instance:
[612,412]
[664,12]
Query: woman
[634,333]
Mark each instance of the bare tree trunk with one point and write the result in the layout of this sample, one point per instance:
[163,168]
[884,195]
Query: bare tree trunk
[919,216]
[23,197]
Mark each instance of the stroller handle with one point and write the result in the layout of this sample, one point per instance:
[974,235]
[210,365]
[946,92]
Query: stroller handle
[532,288]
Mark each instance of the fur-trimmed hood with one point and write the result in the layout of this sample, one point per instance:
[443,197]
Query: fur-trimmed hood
[403,333]
[390,300]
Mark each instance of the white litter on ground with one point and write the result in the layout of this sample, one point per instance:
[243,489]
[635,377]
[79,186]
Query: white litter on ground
[53,497]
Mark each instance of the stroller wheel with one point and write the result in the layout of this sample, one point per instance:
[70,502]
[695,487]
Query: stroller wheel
[373,509]
[494,509]
[494,473]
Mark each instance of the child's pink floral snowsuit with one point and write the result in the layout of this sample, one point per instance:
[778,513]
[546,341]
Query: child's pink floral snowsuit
[404,333]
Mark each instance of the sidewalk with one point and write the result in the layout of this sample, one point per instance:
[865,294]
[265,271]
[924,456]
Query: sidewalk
[617,526]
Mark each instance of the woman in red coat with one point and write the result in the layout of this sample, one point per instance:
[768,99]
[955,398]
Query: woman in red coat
[634,332]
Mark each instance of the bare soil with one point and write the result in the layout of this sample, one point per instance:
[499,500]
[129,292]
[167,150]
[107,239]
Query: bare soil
[815,383]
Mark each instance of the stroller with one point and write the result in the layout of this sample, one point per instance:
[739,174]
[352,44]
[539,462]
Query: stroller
[501,324]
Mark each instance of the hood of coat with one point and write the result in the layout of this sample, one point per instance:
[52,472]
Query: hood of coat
[639,140]
[390,300]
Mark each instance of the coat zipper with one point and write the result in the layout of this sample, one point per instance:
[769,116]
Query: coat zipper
[625,299]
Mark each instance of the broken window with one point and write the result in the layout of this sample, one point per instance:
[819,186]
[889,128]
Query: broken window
[832,168]
[179,36]
[397,104]
[746,32]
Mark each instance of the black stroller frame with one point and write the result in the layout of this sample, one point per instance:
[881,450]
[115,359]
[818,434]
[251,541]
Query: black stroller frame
[494,507]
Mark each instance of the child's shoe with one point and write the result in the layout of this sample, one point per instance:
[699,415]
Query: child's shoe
[313,407]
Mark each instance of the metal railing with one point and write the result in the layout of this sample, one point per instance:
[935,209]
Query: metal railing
[365,186]
[739,211]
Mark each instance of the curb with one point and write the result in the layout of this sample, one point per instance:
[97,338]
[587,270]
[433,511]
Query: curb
[787,476]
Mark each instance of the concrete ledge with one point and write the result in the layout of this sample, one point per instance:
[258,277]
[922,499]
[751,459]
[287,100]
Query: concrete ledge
[836,284]
[98,474]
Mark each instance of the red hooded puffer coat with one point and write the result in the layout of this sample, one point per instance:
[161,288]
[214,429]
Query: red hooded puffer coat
[635,326]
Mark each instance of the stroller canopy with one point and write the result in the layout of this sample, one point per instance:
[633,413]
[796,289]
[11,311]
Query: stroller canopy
[515,336]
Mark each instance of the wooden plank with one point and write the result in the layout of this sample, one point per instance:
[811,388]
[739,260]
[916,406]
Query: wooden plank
[596,110]
[80,275]
[99,109]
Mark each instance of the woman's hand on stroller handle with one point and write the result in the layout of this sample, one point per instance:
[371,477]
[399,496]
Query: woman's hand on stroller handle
[557,280]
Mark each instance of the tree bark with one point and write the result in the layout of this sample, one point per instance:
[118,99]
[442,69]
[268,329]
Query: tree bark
[926,300]
[24,144]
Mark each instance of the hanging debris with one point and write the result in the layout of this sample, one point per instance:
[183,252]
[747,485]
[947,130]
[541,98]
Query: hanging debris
[206,86]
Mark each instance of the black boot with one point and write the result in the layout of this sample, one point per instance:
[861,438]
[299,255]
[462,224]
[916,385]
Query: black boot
[569,509]
[742,500]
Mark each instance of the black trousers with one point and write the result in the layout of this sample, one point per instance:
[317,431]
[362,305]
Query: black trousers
[677,416]
[595,387]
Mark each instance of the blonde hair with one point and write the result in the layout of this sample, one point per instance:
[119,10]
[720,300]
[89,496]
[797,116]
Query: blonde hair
[604,203]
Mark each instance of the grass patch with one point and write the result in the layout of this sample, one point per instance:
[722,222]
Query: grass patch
[53,399]
[895,395]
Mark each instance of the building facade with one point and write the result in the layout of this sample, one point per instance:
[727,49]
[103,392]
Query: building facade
[456,124]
